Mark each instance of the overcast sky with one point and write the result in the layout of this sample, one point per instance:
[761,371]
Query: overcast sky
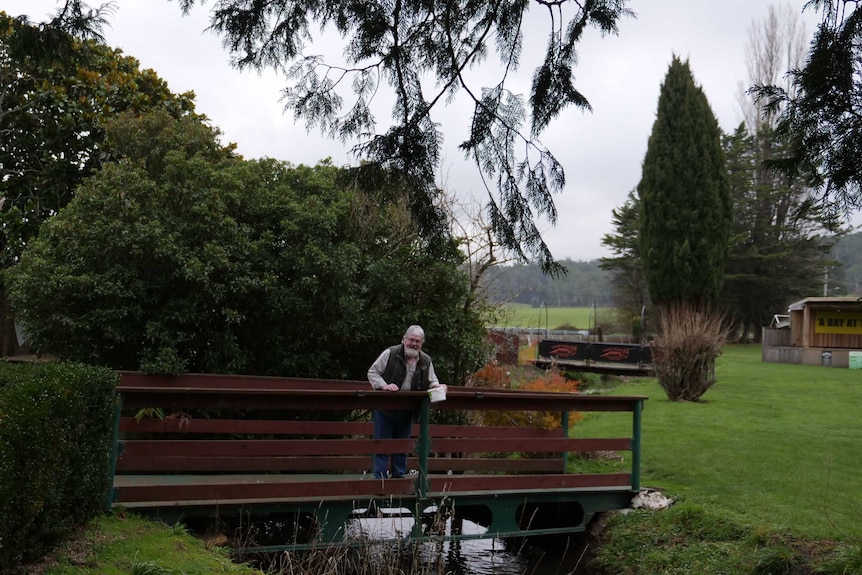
[601,151]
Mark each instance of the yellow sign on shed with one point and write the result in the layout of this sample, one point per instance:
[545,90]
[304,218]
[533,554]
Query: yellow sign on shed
[838,322]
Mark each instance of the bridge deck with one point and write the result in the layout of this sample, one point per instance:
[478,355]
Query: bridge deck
[204,490]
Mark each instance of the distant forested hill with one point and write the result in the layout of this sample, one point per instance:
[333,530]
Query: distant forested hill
[585,285]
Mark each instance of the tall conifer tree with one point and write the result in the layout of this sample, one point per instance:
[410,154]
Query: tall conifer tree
[684,234]
[684,195]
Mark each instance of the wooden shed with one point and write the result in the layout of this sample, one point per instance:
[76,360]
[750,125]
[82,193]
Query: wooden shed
[822,331]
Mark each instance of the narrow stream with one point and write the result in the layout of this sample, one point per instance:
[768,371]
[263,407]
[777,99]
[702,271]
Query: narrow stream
[484,556]
[480,556]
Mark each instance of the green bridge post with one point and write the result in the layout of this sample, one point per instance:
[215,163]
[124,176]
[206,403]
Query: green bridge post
[423,450]
[637,416]
[115,454]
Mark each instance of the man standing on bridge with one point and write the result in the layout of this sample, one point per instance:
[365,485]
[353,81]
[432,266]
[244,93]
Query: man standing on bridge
[400,367]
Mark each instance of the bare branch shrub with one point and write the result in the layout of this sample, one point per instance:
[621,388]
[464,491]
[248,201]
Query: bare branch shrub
[691,336]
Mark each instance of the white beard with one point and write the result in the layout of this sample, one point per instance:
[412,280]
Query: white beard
[411,353]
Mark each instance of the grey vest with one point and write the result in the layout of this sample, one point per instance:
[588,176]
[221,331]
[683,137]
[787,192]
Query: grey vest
[396,369]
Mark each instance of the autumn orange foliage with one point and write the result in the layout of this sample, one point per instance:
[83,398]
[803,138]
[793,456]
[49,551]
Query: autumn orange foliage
[497,377]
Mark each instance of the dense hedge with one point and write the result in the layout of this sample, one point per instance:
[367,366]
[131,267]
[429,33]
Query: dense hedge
[56,423]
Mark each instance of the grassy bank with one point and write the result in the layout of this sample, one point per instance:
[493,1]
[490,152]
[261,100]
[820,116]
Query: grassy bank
[767,463]
[128,545]
[765,472]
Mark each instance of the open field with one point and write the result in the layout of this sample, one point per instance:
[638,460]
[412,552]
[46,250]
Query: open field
[524,316]
[774,445]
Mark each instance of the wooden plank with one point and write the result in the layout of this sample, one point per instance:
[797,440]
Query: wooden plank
[225,492]
[464,483]
[287,427]
[278,399]
[500,432]
[146,463]
[244,426]
[130,379]
[149,463]
[216,448]
[518,445]
[500,464]
[245,382]
[262,447]
[268,399]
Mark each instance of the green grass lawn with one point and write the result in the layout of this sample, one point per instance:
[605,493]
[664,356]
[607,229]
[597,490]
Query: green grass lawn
[776,445]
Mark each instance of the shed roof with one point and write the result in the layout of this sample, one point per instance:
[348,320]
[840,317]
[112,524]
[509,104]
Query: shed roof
[825,301]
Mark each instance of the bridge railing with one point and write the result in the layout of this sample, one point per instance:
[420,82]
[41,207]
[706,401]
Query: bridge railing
[244,439]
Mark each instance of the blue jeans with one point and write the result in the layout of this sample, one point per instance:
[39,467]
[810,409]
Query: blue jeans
[391,424]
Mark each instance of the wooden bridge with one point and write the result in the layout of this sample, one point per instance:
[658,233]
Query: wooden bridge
[595,357]
[200,447]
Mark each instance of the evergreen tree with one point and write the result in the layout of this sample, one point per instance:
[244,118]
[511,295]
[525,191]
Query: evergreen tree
[685,202]
[819,113]
[631,297]
[684,230]
[778,246]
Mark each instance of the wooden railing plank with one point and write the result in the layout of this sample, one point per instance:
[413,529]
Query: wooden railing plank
[240,491]
[464,483]
[149,463]
[263,447]
[191,425]
[283,399]
[341,464]
[218,448]
[533,445]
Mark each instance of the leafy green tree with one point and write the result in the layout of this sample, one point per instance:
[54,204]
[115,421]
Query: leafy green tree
[684,197]
[56,92]
[423,52]
[183,257]
[819,113]
[52,114]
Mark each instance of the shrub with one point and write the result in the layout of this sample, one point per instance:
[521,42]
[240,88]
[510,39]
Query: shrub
[550,380]
[491,375]
[690,338]
[55,446]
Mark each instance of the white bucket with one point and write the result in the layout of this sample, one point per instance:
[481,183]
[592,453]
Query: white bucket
[437,394]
